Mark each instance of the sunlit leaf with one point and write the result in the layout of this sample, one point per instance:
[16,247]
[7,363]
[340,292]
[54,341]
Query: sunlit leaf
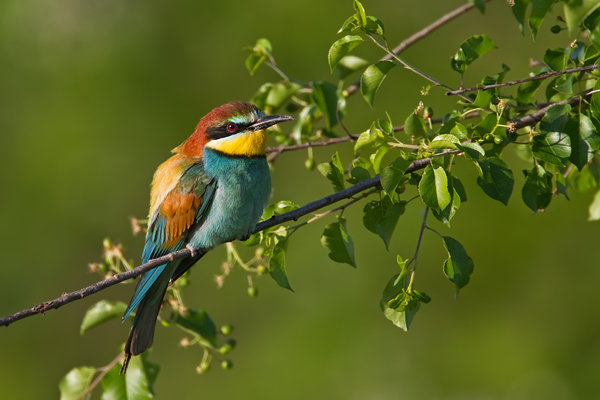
[538,13]
[334,171]
[324,95]
[342,47]
[372,78]
[433,188]
[75,382]
[470,50]
[101,312]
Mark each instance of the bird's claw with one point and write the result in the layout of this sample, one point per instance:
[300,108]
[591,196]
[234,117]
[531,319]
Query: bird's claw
[193,250]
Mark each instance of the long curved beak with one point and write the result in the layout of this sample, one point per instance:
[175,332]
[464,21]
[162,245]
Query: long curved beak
[269,120]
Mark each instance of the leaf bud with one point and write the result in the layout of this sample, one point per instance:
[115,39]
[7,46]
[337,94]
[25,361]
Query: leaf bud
[259,252]
[428,112]
[555,29]
[226,364]
[309,164]
[226,329]
[261,270]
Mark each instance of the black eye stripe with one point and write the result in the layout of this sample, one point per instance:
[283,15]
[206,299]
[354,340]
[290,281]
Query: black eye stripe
[219,132]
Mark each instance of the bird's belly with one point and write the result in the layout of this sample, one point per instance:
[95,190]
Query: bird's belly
[237,205]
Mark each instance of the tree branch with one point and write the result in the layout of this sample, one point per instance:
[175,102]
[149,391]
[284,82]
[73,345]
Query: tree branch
[276,220]
[406,43]
[526,120]
[532,78]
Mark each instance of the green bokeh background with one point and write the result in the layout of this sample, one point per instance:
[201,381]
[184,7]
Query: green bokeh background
[94,95]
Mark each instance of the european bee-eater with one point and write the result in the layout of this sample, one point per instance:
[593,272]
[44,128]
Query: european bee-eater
[213,190]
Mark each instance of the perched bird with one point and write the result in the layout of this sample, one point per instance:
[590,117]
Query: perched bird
[213,190]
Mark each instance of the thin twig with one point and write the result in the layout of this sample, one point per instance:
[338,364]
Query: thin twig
[415,257]
[532,78]
[280,149]
[100,376]
[534,117]
[406,43]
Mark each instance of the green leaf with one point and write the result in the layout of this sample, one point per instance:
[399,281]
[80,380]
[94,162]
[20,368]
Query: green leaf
[496,179]
[342,47]
[324,95]
[280,93]
[459,266]
[348,65]
[480,4]
[374,211]
[433,188]
[473,151]
[594,210]
[374,25]
[446,215]
[281,207]
[460,131]
[519,10]
[277,267]
[538,13]
[392,175]
[371,79]
[351,25]
[553,147]
[460,189]
[377,157]
[334,171]
[100,313]
[555,119]
[444,142]
[592,20]
[75,382]
[470,50]
[135,385]
[397,305]
[373,137]
[358,174]
[198,324]
[360,13]
[557,59]
[537,191]
[338,241]
[584,140]
[253,62]
[527,90]
[387,224]
[260,97]
[415,126]
[575,11]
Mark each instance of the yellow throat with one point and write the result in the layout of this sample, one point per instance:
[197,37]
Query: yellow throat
[246,144]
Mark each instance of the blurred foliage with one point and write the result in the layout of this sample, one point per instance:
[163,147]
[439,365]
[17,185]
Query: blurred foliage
[83,81]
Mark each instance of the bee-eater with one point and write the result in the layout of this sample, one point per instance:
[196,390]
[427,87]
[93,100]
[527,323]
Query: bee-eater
[213,190]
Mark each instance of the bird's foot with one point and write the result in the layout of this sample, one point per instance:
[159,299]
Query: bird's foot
[193,250]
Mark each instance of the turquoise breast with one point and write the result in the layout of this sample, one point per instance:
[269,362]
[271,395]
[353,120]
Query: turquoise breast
[243,191]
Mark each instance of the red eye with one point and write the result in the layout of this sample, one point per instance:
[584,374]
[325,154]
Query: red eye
[231,127]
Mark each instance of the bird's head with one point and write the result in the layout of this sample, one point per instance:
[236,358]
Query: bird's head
[235,129]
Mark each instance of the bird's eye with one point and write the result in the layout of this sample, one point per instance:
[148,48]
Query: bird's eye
[232,127]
